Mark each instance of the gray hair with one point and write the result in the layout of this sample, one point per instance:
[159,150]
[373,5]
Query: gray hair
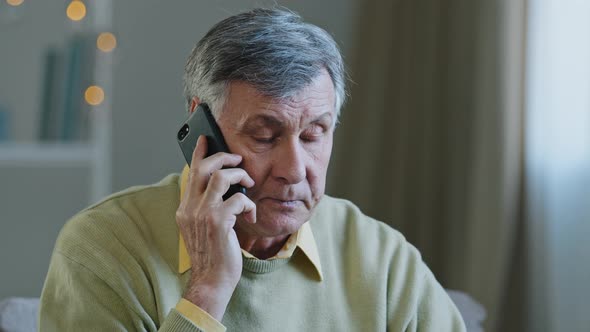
[271,49]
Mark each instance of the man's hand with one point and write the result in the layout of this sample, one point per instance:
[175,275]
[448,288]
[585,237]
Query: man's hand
[206,224]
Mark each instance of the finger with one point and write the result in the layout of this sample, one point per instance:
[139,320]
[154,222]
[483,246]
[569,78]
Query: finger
[202,166]
[195,183]
[218,161]
[221,180]
[209,165]
[200,150]
[241,204]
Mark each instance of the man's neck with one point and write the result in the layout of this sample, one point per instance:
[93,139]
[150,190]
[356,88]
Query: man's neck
[262,248]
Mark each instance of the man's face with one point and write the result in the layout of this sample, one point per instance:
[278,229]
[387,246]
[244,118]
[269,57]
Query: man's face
[286,147]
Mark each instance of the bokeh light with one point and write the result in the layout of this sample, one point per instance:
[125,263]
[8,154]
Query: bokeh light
[106,42]
[15,2]
[94,95]
[76,10]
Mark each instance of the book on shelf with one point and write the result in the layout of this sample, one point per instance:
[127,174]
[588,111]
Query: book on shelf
[67,74]
[51,94]
[4,123]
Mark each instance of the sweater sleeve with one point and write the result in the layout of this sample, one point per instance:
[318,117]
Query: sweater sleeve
[435,309]
[76,299]
[416,300]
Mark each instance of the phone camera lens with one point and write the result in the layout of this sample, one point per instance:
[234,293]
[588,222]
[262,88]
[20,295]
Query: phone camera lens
[183,132]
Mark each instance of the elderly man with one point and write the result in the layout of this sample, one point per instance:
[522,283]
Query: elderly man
[175,256]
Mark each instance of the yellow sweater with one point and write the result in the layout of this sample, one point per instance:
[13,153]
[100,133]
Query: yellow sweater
[115,268]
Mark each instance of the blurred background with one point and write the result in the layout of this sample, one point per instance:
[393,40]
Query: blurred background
[467,129]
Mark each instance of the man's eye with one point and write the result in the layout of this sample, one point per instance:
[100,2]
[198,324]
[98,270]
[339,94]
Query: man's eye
[313,134]
[264,140]
[310,138]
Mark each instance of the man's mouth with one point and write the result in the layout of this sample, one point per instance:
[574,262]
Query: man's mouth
[284,203]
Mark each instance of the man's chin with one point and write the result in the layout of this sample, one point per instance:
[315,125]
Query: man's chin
[273,220]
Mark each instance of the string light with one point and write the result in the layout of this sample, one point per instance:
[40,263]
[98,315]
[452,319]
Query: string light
[76,10]
[94,95]
[15,2]
[106,42]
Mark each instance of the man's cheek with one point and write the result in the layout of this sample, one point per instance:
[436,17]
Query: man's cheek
[318,184]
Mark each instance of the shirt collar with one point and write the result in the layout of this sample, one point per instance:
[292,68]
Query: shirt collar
[303,239]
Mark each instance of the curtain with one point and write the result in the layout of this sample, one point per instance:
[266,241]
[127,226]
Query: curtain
[431,140]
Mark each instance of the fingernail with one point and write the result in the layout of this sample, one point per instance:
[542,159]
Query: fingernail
[198,141]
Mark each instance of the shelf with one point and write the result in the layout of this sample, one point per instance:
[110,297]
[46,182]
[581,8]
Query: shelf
[46,154]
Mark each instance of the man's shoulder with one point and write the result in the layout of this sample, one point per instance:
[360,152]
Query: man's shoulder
[122,219]
[364,248]
[343,220]
[142,195]
[344,213]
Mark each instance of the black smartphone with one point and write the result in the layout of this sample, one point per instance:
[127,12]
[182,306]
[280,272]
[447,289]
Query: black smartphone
[202,122]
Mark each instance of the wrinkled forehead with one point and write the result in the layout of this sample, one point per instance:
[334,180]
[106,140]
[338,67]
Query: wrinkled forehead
[244,104]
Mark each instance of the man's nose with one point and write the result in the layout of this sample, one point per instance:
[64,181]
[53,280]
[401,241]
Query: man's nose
[289,164]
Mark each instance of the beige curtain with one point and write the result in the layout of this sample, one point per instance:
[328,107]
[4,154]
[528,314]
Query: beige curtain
[431,139]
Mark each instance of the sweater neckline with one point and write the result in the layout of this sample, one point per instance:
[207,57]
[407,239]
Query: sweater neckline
[259,266]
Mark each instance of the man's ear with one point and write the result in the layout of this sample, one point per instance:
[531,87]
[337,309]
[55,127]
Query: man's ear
[194,103]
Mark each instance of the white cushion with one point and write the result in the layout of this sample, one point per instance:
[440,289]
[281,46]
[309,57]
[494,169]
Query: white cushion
[19,314]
